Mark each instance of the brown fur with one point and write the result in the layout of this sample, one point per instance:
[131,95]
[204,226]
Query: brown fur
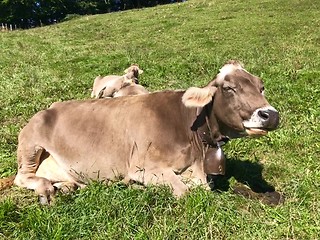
[131,89]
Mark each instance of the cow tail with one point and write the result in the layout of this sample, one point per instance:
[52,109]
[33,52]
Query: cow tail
[7,182]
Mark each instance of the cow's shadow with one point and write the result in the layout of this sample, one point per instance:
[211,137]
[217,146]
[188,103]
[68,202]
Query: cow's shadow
[250,182]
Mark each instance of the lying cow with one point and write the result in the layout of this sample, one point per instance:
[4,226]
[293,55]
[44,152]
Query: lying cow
[130,89]
[116,86]
[165,144]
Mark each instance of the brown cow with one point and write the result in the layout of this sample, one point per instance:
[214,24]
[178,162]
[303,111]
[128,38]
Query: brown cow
[165,144]
[110,85]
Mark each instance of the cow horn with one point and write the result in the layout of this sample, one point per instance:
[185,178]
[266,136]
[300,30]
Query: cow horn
[198,97]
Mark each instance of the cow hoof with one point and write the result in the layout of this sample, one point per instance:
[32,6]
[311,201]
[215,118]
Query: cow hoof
[45,196]
[65,187]
[44,200]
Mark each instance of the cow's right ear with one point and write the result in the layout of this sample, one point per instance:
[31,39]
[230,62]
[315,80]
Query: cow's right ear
[198,97]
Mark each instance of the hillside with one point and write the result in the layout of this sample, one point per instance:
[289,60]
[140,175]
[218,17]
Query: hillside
[177,46]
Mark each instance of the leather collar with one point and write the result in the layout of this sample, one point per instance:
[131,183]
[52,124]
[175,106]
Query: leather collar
[202,126]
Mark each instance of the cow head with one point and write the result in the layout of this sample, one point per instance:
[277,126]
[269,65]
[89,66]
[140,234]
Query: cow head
[237,102]
[133,72]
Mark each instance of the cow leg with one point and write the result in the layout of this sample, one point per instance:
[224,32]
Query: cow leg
[195,176]
[50,169]
[155,177]
[65,187]
[28,163]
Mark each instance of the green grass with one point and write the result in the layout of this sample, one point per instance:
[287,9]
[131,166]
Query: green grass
[177,46]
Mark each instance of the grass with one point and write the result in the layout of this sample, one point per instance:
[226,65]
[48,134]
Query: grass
[177,46]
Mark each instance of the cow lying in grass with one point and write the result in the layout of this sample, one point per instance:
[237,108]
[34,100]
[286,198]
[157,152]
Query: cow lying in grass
[116,86]
[130,89]
[156,138]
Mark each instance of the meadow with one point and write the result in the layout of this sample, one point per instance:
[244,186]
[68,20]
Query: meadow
[177,46]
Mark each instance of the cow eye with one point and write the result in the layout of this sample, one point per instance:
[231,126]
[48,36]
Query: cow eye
[228,89]
[262,90]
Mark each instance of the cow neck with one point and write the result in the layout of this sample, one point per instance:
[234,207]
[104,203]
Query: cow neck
[210,137]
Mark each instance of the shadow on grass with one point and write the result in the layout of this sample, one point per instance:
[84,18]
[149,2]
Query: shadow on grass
[250,182]
[245,172]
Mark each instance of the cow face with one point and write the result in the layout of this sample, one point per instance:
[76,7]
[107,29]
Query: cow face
[239,105]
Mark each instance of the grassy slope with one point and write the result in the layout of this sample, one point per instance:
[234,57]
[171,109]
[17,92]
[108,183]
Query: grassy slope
[178,46]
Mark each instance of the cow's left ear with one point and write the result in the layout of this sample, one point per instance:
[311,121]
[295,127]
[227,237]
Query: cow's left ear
[198,97]
[100,94]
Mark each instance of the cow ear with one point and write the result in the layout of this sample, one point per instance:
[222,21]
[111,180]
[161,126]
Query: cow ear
[100,94]
[198,97]
[106,92]
[140,71]
[127,70]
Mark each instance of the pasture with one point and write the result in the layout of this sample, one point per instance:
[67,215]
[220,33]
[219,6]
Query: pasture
[177,46]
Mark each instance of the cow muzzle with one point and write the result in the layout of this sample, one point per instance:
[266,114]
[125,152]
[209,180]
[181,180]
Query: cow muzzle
[261,121]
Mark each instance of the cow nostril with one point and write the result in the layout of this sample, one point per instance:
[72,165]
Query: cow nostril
[263,114]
